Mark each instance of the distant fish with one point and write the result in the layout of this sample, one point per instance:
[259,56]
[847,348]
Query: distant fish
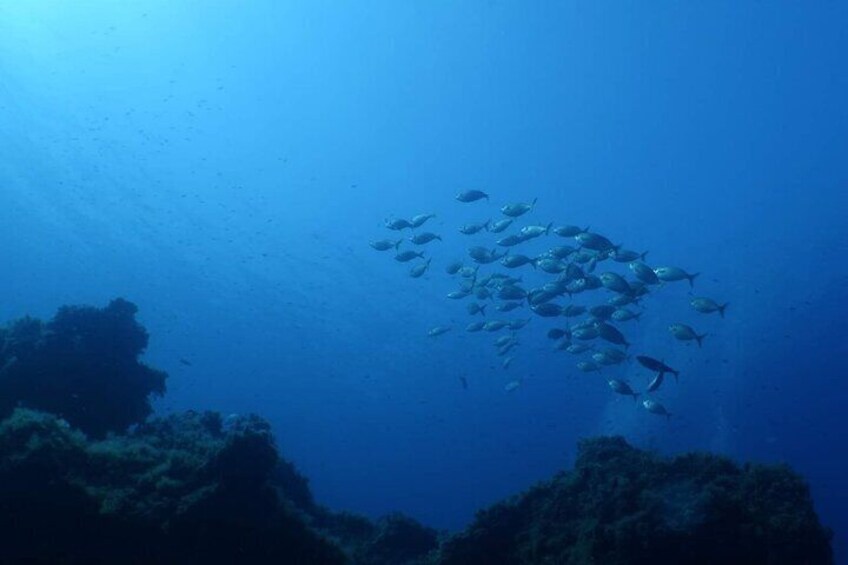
[517,209]
[595,242]
[531,232]
[510,240]
[483,256]
[471,195]
[518,324]
[476,308]
[458,294]
[623,315]
[686,333]
[512,292]
[438,330]
[514,261]
[474,326]
[386,244]
[654,365]
[626,255]
[602,311]
[578,348]
[398,224]
[512,385]
[464,383]
[556,333]
[655,407]
[500,225]
[588,366]
[551,265]
[707,306]
[418,270]
[184,361]
[508,306]
[408,255]
[471,229]
[570,231]
[670,274]
[495,325]
[418,221]
[453,268]
[644,273]
[611,334]
[424,237]
[547,310]
[622,387]
[507,362]
[615,282]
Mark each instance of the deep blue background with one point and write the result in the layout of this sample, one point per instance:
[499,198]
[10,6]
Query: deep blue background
[225,166]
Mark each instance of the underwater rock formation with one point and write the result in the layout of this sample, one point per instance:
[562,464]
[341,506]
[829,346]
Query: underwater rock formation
[96,481]
[621,505]
[83,365]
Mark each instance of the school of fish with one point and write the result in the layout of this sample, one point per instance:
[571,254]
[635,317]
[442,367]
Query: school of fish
[593,309]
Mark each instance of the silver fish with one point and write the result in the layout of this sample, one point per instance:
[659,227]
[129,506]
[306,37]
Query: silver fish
[385,244]
[471,229]
[644,273]
[418,221]
[685,333]
[669,274]
[622,387]
[570,231]
[418,270]
[408,255]
[517,209]
[656,408]
[397,224]
[438,330]
[471,195]
[707,306]
[424,237]
[500,225]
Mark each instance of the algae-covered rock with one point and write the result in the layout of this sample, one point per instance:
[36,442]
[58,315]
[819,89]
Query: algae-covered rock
[621,505]
[83,365]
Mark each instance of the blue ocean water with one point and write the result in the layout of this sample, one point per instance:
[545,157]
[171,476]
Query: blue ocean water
[224,165]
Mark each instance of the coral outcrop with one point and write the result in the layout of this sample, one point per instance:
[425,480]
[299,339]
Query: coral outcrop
[621,505]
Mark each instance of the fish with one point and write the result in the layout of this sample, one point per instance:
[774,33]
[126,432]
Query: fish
[614,354]
[561,251]
[570,231]
[602,312]
[510,240]
[644,273]
[585,334]
[611,334]
[530,232]
[654,365]
[482,255]
[512,385]
[707,306]
[495,325]
[595,242]
[476,308]
[626,256]
[539,296]
[551,265]
[468,272]
[504,349]
[184,361]
[615,282]
[573,310]
[557,288]
[578,348]
[438,330]
[670,274]
[500,225]
[418,221]
[514,261]
[656,382]
[453,268]
[507,362]
[504,339]
[588,366]
[474,326]
[517,209]
[471,229]
[656,408]
[471,196]
[556,333]
[685,333]
[482,293]
[602,358]
[620,300]
[397,224]
[622,387]
[385,244]
[547,310]
[408,255]
[508,306]
[418,270]
[623,315]
[464,383]
[518,324]
[424,237]
[458,294]
[591,282]
[511,292]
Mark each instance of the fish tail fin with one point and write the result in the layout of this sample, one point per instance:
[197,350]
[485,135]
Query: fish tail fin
[397,243]
[428,261]
[700,338]
[692,279]
[643,255]
[549,226]
[533,204]
[486,225]
[722,307]
[486,196]
[586,229]
[636,396]
[483,309]
[676,374]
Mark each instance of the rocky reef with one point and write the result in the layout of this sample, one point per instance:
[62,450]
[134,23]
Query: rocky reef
[622,505]
[84,481]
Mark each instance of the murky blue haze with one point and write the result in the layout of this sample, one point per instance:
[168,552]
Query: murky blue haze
[224,165]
